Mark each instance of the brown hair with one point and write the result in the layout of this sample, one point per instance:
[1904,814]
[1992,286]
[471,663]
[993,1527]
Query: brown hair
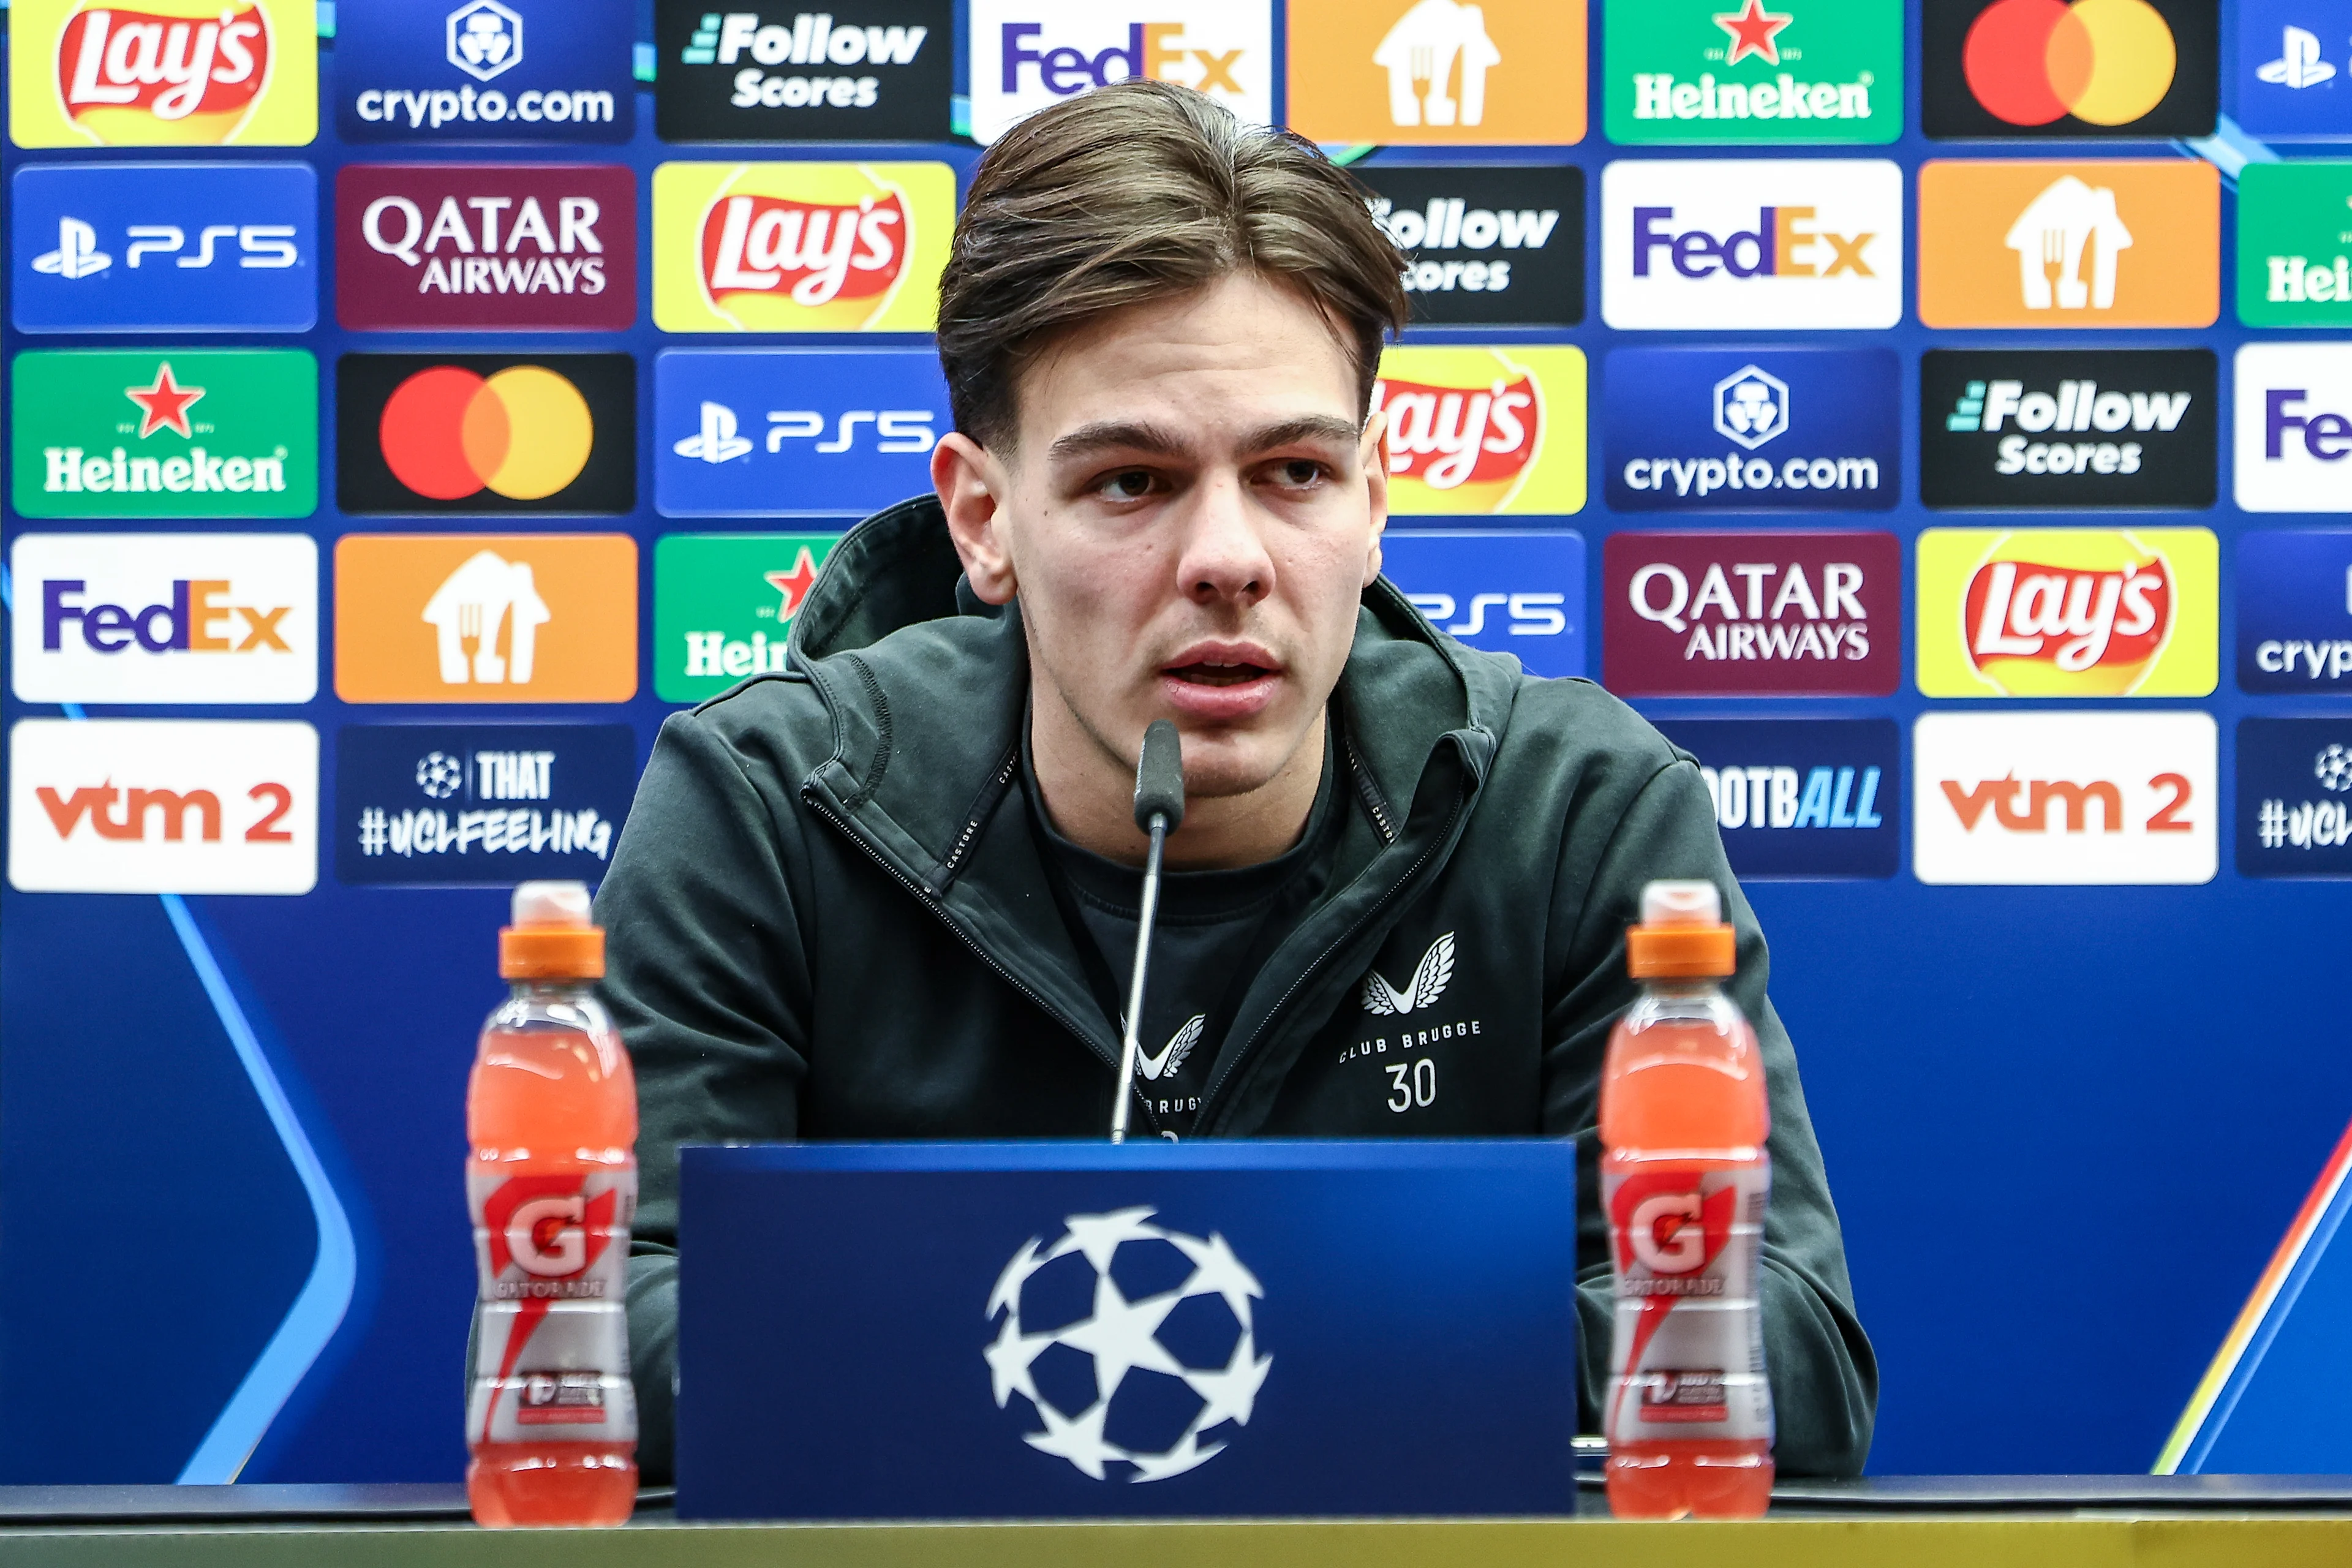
[1137,192]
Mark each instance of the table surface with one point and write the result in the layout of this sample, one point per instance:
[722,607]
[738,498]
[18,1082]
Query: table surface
[2181,1522]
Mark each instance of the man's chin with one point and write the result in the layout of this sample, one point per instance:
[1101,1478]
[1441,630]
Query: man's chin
[1229,760]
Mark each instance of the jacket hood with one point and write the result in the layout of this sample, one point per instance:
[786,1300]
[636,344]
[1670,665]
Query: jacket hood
[927,686]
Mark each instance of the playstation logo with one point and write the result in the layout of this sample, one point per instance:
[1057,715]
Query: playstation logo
[76,255]
[717,442]
[1751,407]
[485,39]
[2298,65]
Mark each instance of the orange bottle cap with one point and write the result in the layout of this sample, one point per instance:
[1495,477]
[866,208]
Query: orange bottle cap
[553,936]
[1681,935]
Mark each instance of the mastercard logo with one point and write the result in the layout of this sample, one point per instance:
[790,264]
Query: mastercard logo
[2105,62]
[523,433]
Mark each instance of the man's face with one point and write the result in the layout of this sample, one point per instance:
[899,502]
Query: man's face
[1188,516]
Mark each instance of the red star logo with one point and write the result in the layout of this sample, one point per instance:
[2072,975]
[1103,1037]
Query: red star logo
[793,584]
[164,405]
[1752,33]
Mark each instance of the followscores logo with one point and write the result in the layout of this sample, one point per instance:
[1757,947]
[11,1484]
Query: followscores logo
[1700,71]
[163,73]
[878,71]
[794,431]
[1800,797]
[1520,593]
[487,433]
[105,247]
[2295,612]
[188,433]
[486,618]
[486,70]
[1483,429]
[800,247]
[452,803]
[166,617]
[1488,246]
[2064,799]
[1752,615]
[2131,243]
[2054,427]
[1769,430]
[1403,72]
[1029,54]
[487,246]
[163,805]
[1751,244]
[2068,612]
[2092,68]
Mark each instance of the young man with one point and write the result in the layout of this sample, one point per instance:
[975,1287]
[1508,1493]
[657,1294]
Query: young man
[891,892]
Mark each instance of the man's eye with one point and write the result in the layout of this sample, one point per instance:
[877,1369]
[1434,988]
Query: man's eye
[1299,472]
[1134,484]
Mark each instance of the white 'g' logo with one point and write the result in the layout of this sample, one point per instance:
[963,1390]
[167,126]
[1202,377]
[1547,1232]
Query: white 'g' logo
[570,1253]
[1687,1250]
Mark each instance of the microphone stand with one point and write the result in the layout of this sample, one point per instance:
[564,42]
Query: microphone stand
[1158,810]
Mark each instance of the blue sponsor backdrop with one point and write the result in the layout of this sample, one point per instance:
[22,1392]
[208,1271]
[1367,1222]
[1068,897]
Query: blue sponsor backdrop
[164,248]
[483,70]
[1449,1257]
[274,1087]
[2295,612]
[770,432]
[1515,591]
[1802,798]
[2295,797]
[1690,429]
[444,804]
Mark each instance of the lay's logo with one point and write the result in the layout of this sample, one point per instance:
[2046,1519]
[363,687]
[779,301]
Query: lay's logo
[783,247]
[2068,613]
[164,73]
[1483,430]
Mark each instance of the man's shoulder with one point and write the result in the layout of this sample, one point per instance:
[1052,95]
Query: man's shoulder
[1572,725]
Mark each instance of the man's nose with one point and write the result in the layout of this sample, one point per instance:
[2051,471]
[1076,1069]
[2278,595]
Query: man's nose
[1225,555]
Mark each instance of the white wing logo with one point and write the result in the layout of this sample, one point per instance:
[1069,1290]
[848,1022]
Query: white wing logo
[1172,1054]
[1428,979]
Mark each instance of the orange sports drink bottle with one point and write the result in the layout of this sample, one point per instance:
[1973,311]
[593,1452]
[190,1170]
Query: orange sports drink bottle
[551,1112]
[1685,1177]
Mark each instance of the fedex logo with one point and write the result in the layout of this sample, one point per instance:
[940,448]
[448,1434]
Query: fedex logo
[1751,244]
[166,617]
[1027,54]
[2065,798]
[2293,424]
[155,805]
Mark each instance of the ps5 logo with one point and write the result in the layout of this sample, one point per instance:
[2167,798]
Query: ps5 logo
[2298,65]
[266,246]
[485,39]
[896,429]
[1529,615]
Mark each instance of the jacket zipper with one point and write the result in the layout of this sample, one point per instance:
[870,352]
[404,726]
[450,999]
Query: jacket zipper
[817,801]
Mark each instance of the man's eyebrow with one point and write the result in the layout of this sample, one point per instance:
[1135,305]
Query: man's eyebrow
[1307,429]
[1114,435]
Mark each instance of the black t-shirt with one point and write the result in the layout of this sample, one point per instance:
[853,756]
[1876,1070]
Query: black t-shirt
[1213,930]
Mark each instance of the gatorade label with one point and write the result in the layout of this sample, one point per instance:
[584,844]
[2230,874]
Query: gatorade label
[552,1353]
[1688,1244]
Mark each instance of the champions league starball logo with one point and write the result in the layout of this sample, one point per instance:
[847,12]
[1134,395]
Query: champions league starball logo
[1131,1342]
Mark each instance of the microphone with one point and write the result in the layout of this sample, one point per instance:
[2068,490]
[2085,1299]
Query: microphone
[1159,811]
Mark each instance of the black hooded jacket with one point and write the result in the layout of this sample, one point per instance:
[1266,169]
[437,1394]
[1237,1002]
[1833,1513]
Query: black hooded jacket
[830,917]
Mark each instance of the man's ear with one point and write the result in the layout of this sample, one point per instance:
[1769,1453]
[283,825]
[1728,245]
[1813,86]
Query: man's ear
[1373,456]
[972,486]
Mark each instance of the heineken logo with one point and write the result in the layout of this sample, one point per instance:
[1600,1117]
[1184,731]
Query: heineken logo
[724,604]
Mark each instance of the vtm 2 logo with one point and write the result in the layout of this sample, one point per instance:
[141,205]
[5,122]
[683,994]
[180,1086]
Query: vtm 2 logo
[2068,613]
[2065,798]
[2143,69]
[1738,246]
[166,617]
[2130,243]
[486,245]
[1401,72]
[764,432]
[1519,592]
[800,247]
[163,73]
[487,433]
[163,805]
[1028,54]
[1483,429]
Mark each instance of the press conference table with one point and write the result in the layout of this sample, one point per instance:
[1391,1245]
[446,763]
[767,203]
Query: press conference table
[1918,1522]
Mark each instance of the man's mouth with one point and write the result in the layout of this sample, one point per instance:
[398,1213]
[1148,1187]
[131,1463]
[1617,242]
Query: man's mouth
[1208,672]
